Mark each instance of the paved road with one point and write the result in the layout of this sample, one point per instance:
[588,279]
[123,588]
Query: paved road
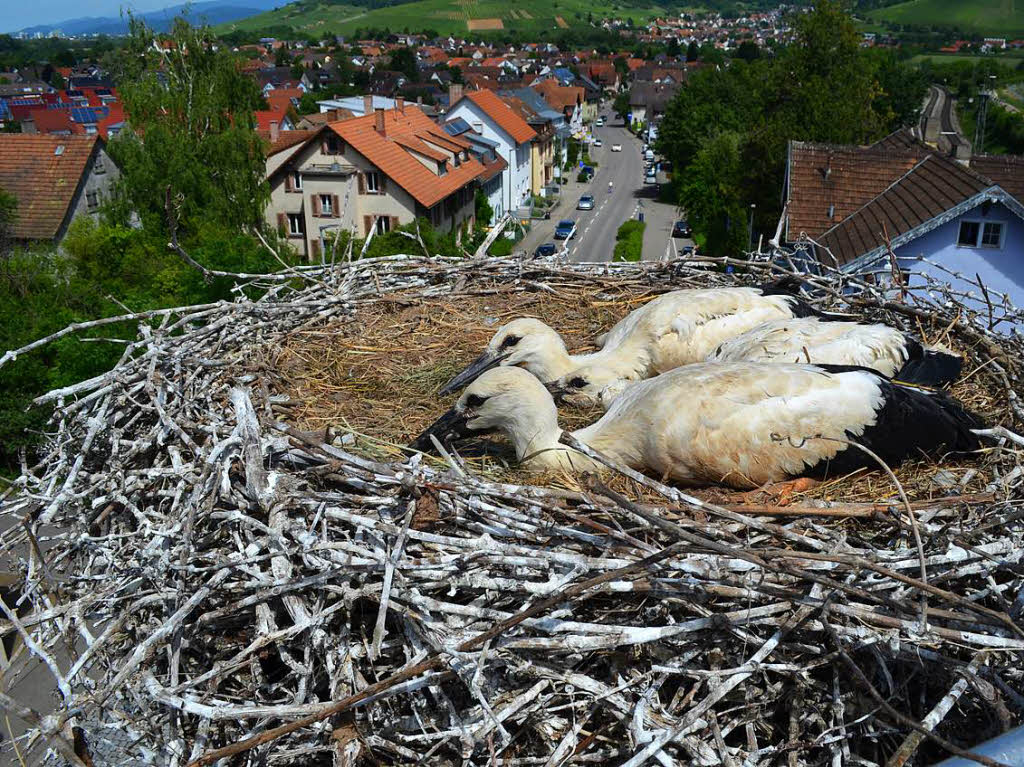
[596,229]
[595,238]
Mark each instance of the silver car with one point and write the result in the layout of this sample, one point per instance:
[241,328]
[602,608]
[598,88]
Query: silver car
[586,202]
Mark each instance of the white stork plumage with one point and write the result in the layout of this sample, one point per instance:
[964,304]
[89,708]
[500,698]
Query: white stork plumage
[810,340]
[674,329]
[740,424]
[813,340]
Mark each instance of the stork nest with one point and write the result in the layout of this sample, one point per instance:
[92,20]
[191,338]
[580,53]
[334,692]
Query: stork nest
[226,555]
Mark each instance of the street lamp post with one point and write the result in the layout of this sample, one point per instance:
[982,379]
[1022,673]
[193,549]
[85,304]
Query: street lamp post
[750,228]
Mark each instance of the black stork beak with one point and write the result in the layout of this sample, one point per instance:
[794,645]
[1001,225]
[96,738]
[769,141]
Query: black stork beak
[451,425]
[474,370]
[557,392]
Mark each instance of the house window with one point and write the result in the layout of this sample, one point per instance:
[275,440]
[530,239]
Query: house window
[333,145]
[992,235]
[295,224]
[969,231]
[373,182]
[98,166]
[325,205]
[92,200]
[296,180]
[978,234]
[383,225]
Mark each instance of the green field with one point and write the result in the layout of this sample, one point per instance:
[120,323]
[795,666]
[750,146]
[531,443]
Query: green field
[445,16]
[995,18]
[1008,59]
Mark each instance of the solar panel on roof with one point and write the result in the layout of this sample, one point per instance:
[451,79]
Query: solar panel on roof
[26,102]
[83,115]
[74,93]
[456,126]
[103,91]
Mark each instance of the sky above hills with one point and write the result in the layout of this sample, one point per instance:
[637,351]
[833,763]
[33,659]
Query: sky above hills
[18,15]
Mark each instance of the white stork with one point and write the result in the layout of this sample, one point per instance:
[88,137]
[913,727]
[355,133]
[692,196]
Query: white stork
[740,424]
[674,329]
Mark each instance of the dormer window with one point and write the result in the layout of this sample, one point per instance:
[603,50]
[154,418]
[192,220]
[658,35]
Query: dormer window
[442,168]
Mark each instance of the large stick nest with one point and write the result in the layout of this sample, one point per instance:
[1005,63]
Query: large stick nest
[225,553]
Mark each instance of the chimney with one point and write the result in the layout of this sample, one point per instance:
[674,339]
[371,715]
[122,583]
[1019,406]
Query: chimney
[400,104]
[419,101]
[274,132]
[454,93]
[367,105]
[379,122]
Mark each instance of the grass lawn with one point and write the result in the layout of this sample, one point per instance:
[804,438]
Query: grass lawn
[995,18]
[460,17]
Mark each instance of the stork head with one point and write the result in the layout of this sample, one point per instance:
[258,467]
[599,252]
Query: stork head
[525,343]
[591,384]
[509,400]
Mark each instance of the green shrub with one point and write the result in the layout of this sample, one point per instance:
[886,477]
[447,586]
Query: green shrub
[629,241]
[583,177]
[500,247]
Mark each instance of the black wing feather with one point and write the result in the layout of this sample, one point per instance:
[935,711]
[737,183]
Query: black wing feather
[911,423]
[928,367]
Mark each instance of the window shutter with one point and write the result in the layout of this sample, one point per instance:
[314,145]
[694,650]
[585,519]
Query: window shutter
[362,184]
[289,183]
[316,204]
[383,181]
[394,223]
[335,207]
[282,222]
[367,224]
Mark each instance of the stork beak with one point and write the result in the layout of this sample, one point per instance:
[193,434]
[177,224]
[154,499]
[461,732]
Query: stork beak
[452,425]
[483,363]
[557,392]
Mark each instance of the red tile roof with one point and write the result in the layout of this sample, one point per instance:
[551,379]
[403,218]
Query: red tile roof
[43,172]
[285,139]
[843,178]
[1007,170]
[934,185]
[54,121]
[560,97]
[398,162]
[281,98]
[514,125]
[266,116]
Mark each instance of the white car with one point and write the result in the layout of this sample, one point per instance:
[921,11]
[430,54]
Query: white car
[616,147]
[597,142]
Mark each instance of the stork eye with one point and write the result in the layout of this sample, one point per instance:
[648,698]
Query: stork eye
[578,382]
[510,341]
[475,401]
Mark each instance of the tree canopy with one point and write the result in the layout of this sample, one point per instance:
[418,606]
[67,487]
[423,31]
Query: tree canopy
[727,130]
[192,130]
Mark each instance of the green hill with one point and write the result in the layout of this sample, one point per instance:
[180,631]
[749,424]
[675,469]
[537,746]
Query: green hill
[996,18]
[459,17]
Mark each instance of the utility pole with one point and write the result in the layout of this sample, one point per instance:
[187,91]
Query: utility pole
[979,131]
[750,228]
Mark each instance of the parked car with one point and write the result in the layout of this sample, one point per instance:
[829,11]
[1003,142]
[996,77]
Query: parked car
[565,230]
[597,142]
[586,202]
[599,122]
[681,229]
[651,177]
[649,154]
[616,147]
[687,250]
[547,249]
